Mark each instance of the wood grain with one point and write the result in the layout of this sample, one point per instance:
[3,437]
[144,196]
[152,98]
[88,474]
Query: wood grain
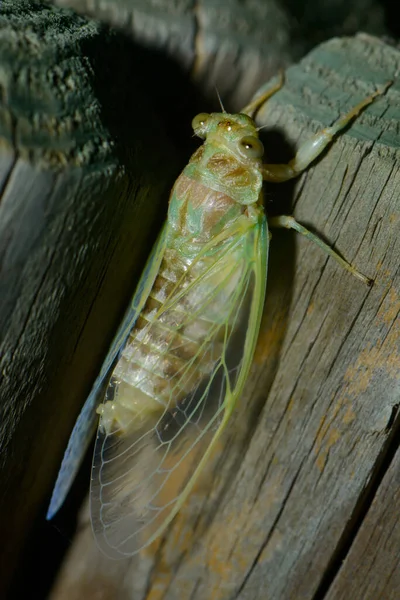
[277,511]
[370,569]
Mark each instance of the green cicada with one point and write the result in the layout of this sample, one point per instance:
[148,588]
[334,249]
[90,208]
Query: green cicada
[183,353]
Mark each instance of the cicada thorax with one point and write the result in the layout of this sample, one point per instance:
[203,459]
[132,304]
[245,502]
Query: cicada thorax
[221,169]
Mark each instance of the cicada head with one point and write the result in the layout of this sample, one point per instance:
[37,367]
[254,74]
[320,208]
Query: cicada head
[235,133]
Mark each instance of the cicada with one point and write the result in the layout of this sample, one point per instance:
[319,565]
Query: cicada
[181,357]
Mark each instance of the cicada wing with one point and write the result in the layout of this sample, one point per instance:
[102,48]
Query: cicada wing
[87,420]
[143,472]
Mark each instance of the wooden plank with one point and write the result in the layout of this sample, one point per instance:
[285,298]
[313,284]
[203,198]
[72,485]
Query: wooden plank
[232,44]
[272,512]
[79,207]
[227,44]
[371,569]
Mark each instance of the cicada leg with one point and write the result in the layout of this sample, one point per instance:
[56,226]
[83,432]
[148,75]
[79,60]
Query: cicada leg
[291,223]
[312,148]
[255,104]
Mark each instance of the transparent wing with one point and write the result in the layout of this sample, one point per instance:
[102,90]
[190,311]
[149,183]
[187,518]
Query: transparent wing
[143,472]
[85,425]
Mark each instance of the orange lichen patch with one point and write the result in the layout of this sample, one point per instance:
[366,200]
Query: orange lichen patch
[178,542]
[385,358]
[331,438]
[349,416]
[390,308]
[358,375]
[380,359]
[234,549]
[328,434]
[225,556]
[234,525]
[385,275]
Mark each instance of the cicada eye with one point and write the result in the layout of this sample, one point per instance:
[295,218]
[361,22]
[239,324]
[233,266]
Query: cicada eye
[199,124]
[251,147]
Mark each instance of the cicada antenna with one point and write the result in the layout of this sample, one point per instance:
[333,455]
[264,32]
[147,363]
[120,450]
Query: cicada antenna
[220,101]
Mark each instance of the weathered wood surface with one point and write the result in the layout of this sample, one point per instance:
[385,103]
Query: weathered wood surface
[78,204]
[235,45]
[371,568]
[278,510]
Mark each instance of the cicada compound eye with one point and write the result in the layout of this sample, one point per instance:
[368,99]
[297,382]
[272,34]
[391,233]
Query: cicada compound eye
[200,123]
[251,147]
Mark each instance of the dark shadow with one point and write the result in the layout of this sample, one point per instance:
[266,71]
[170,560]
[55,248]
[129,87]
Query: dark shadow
[278,197]
[132,80]
[49,541]
[392,21]
[313,22]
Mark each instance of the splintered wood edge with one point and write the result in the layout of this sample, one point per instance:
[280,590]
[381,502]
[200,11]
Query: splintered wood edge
[269,534]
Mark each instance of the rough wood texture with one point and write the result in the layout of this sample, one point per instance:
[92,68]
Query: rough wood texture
[371,569]
[235,45]
[78,201]
[276,513]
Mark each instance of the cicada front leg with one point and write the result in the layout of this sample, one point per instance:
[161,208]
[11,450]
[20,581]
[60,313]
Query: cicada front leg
[306,154]
[312,148]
